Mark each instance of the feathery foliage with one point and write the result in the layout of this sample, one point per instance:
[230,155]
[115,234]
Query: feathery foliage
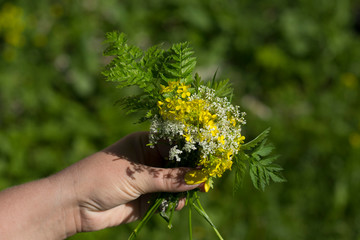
[147,70]
[256,155]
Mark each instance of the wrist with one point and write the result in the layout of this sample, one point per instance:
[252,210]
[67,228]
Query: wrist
[66,202]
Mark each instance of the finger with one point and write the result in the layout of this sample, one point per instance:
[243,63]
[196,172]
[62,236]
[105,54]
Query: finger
[181,204]
[165,180]
[134,147]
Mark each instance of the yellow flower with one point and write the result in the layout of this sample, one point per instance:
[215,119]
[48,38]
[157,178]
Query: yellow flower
[171,87]
[207,185]
[196,177]
[214,131]
[241,140]
[182,91]
[182,88]
[187,137]
[233,121]
[229,155]
[221,139]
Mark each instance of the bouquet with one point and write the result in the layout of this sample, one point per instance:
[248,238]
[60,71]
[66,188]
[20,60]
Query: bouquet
[195,117]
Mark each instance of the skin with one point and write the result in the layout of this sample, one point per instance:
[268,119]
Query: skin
[106,189]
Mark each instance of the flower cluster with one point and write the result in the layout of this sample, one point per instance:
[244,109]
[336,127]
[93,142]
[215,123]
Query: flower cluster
[196,120]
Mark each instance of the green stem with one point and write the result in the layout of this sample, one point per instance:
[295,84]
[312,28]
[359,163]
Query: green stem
[146,218]
[189,200]
[198,202]
[171,215]
[202,212]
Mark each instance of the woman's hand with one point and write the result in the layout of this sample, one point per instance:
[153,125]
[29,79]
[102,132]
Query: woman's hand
[106,189]
[113,186]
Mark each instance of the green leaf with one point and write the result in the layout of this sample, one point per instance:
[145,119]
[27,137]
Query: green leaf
[222,88]
[264,151]
[269,160]
[253,143]
[262,168]
[197,82]
[276,177]
[178,63]
[239,168]
[255,178]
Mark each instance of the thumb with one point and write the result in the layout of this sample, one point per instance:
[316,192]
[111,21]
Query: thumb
[166,180]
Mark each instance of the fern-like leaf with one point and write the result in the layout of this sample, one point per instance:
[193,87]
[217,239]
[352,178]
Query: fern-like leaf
[262,168]
[222,88]
[125,69]
[239,168]
[178,63]
[256,155]
[253,143]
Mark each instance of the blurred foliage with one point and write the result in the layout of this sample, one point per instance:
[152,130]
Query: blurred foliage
[295,66]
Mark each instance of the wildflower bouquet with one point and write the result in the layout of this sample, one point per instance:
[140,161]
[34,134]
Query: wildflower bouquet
[197,118]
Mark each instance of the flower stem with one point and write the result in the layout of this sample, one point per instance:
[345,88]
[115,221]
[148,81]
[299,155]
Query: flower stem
[146,218]
[189,200]
[171,215]
[202,212]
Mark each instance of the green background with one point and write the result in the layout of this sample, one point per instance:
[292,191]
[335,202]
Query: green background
[295,66]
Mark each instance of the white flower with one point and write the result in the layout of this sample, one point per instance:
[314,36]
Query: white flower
[174,153]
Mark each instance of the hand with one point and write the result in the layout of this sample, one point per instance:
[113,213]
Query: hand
[106,189]
[113,186]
